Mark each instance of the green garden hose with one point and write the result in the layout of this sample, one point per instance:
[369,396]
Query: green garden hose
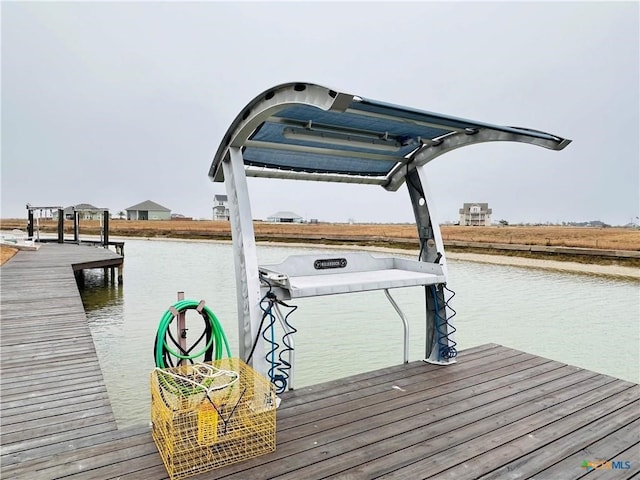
[213,331]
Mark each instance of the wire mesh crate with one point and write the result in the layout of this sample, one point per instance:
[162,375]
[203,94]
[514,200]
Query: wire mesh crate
[205,416]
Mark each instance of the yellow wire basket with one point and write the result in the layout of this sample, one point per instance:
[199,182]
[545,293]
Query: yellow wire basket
[208,415]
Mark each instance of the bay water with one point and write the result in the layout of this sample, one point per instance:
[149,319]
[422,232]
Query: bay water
[585,320]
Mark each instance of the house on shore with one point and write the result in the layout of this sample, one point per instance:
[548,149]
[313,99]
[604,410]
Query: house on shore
[475,214]
[86,211]
[148,210]
[220,207]
[285,217]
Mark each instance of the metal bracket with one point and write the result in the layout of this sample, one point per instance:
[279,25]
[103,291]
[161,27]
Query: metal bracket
[405,324]
[200,306]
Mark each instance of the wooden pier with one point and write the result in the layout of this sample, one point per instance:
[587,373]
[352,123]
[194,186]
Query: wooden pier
[496,414]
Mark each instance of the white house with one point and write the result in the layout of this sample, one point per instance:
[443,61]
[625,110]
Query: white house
[220,207]
[475,214]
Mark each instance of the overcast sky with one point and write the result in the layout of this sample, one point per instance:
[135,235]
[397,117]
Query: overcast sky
[116,103]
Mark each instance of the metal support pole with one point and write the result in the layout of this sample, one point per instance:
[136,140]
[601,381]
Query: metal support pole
[245,259]
[431,250]
[181,328]
[405,324]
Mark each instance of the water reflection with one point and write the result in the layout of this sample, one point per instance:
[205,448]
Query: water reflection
[98,292]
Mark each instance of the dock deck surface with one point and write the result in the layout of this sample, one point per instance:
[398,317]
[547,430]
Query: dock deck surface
[498,413]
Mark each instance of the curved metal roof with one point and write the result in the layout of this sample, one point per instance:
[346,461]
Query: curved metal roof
[309,132]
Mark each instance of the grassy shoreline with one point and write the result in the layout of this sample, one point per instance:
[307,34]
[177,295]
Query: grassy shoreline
[616,238]
[395,236]
[567,264]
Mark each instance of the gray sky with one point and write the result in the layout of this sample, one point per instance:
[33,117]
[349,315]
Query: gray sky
[116,103]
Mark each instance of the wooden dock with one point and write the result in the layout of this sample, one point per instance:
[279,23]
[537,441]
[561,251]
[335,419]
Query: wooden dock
[51,388]
[496,414]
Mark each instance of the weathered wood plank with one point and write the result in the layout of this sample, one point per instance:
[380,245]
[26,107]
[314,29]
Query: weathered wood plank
[334,387]
[92,436]
[590,405]
[53,414]
[50,431]
[542,446]
[425,377]
[375,442]
[67,393]
[10,413]
[409,407]
[603,438]
[86,458]
[39,425]
[54,348]
[66,356]
[34,334]
[394,400]
[632,453]
[144,467]
[57,441]
[47,386]
[16,377]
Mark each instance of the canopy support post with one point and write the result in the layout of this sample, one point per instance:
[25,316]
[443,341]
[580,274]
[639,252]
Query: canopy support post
[438,331]
[246,261]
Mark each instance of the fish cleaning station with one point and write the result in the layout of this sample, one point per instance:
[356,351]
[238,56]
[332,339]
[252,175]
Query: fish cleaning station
[301,131]
[488,412]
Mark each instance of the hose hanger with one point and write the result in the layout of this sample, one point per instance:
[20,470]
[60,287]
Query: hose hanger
[171,355]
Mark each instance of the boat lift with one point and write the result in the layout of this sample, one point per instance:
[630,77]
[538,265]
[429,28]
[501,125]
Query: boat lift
[303,131]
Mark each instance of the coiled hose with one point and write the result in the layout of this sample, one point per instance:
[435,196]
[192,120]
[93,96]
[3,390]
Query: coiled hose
[215,337]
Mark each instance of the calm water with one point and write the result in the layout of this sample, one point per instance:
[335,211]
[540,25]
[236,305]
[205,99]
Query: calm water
[588,321]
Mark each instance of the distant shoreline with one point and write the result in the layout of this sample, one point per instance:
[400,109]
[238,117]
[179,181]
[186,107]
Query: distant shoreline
[599,251]
[616,271]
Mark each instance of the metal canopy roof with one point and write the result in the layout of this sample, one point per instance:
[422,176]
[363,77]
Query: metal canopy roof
[309,132]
